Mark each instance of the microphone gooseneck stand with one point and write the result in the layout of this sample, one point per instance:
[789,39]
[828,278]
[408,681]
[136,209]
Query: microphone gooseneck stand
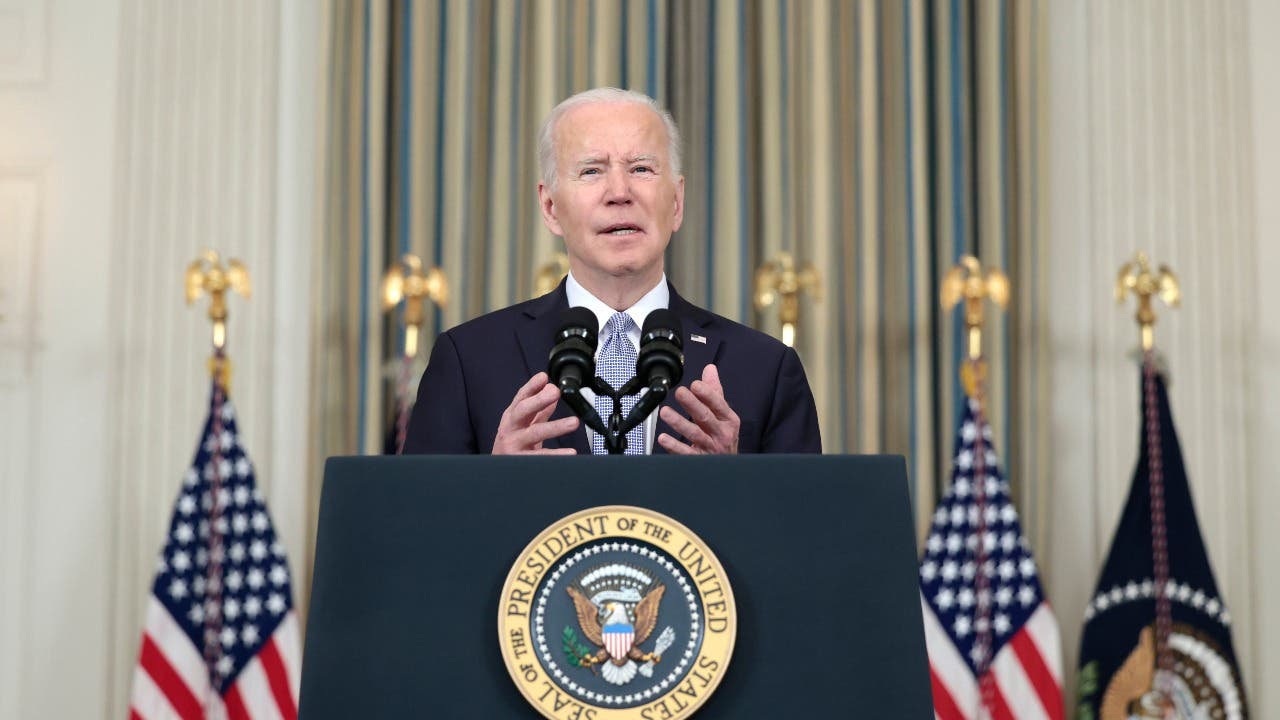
[659,366]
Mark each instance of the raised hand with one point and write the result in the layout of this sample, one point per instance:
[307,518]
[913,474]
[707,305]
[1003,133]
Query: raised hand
[525,426]
[712,426]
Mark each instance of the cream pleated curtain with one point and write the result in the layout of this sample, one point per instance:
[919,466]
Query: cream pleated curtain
[878,141]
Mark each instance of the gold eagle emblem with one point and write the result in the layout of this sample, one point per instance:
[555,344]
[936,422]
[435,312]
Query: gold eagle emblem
[592,620]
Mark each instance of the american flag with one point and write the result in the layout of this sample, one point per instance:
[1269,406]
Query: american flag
[221,637]
[993,641]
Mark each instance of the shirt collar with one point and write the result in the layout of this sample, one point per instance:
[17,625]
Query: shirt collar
[658,297]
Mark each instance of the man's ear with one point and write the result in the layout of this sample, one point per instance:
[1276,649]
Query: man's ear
[679,205]
[548,207]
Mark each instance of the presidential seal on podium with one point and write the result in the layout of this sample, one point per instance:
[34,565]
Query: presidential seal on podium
[617,612]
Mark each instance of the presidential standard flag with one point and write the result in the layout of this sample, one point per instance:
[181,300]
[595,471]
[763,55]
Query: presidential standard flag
[1157,635]
[993,641]
[220,638]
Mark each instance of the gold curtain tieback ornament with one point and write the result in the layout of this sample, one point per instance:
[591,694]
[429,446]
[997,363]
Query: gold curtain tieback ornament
[550,274]
[779,282]
[407,282]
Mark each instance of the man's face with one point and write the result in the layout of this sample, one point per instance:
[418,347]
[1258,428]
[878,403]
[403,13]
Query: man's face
[616,200]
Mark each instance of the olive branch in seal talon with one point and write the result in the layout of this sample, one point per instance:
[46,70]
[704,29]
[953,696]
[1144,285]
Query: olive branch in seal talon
[578,654]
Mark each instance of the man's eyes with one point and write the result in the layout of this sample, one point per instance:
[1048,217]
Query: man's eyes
[646,169]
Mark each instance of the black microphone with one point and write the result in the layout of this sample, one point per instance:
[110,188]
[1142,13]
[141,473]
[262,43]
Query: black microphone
[572,364]
[661,356]
[659,364]
[573,357]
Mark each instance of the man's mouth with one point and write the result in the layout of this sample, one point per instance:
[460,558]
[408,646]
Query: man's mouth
[620,229]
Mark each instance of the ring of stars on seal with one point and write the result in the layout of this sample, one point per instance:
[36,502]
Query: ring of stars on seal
[617,612]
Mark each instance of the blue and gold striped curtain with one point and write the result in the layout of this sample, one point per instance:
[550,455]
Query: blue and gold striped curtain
[878,141]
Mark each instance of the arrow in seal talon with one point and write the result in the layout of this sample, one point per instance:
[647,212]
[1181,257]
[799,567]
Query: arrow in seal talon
[667,637]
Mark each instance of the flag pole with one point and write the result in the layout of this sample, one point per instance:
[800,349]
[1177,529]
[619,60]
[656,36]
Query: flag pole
[1137,278]
[968,283]
[208,275]
[407,282]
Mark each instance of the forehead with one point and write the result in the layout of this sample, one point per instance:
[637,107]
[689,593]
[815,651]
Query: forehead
[611,129]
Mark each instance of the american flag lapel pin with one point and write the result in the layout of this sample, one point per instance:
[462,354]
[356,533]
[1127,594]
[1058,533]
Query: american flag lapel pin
[699,339]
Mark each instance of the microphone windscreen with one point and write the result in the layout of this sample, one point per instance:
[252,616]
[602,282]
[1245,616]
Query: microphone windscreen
[663,319]
[576,318]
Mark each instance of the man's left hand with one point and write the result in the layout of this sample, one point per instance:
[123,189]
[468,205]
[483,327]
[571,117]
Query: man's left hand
[712,426]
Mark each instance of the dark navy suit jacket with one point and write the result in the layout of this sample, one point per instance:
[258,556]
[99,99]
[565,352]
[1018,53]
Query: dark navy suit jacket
[476,368]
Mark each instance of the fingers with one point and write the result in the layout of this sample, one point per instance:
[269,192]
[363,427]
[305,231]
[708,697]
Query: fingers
[531,399]
[524,425]
[532,386]
[544,413]
[712,425]
[694,434]
[711,376]
[534,435]
[694,407]
[711,393]
[674,446]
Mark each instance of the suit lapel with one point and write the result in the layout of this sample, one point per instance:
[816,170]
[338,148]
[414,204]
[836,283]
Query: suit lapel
[697,353]
[536,336]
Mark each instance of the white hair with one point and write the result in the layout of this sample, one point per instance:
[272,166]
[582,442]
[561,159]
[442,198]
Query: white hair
[546,137]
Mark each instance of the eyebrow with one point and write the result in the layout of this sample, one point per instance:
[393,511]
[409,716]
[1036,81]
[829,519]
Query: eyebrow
[597,160]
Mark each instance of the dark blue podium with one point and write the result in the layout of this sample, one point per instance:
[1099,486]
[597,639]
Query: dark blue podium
[413,551]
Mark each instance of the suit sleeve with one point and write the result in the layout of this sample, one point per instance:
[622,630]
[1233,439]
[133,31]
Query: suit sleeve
[792,426]
[441,420]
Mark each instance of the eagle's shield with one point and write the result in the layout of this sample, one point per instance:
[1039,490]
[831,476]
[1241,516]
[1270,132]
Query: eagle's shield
[617,640]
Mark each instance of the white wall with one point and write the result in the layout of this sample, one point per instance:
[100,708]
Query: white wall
[133,133]
[57,68]
[1160,114]
[1263,380]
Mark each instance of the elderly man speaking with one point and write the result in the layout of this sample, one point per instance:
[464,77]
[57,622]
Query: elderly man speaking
[611,187]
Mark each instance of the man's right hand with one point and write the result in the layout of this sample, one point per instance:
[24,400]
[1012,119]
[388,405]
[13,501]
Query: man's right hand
[525,425]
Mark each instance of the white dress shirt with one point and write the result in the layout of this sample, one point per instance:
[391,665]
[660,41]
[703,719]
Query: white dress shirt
[658,297]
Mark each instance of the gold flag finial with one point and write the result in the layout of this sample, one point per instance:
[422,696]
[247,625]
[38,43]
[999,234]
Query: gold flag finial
[407,281]
[967,282]
[206,274]
[778,281]
[1136,277]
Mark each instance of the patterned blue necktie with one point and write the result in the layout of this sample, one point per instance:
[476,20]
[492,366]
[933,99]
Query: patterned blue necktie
[617,365]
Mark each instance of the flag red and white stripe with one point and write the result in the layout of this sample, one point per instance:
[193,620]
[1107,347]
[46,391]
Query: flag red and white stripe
[172,680]
[1024,681]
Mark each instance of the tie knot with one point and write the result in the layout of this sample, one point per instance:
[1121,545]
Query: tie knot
[620,323]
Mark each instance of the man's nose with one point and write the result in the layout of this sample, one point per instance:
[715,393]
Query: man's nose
[618,187]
